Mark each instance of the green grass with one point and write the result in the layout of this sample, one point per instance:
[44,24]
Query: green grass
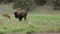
[36,22]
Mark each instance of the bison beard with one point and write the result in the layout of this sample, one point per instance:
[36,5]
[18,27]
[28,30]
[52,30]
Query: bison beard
[20,14]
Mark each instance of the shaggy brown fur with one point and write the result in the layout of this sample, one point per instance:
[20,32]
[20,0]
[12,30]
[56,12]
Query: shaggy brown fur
[20,13]
[7,16]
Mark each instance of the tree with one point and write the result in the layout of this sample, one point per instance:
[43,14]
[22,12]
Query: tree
[56,4]
[40,2]
[6,1]
[28,4]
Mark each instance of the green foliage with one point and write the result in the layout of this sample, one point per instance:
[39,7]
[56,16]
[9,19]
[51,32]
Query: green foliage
[2,31]
[30,30]
[6,1]
[26,4]
[56,4]
[17,30]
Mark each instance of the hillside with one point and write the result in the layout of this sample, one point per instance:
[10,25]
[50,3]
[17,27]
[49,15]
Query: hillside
[40,9]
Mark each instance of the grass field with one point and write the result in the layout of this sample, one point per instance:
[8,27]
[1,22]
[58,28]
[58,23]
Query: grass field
[36,22]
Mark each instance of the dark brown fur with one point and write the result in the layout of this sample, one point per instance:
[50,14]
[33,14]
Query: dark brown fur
[20,13]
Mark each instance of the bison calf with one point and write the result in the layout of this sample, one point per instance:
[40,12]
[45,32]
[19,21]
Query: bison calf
[20,13]
[7,16]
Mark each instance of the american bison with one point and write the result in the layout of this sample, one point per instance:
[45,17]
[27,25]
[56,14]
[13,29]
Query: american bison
[7,16]
[20,14]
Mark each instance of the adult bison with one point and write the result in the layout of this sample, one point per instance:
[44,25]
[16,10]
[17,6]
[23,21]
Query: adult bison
[20,14]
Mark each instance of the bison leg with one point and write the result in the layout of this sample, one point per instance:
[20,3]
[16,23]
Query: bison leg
[20,19]
[25,18]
